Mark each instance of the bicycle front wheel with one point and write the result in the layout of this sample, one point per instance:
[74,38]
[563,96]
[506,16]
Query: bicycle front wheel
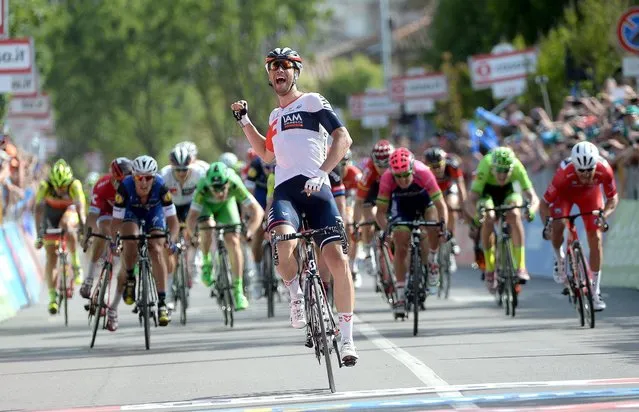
[103,285]
[182,289]
[585,289]
[227,289]
[510,294]
[321,306]
[444,270]
[64,290]
[144,303]
[417,285]
[270,282]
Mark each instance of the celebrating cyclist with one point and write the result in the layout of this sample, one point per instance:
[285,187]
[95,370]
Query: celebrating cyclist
[297,138]
[100,214]
[143,196]
[577,181]
[60,203]
[215,200]
[493,186]
[367,189]
[413,189]
[447,170]
[181,177]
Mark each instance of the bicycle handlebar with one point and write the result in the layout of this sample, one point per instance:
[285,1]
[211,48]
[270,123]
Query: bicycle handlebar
[500,210]
[308,236]
[144,236]
[220,227]
[597,212]
[362,224]
[415,224]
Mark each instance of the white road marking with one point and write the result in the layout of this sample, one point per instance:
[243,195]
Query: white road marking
[419,368]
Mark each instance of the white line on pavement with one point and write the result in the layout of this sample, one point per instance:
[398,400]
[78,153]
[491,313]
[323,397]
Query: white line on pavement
[419,368]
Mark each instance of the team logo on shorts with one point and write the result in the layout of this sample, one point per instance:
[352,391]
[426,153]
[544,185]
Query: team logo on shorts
[168,197]
[118,198]
[252,172]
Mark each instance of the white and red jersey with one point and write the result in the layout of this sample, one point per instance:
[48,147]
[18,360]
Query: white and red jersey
[298,135]
[566,184]
[423,181]
[103,197]
[182,193]
[351,178]
[369,177]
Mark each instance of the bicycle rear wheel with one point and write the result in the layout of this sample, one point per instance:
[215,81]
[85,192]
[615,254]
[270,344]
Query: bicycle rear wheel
[103,285]
[585,289]
[321,306]
[444,270]
[575,293]
[270,283]
[416,286]
[144,278]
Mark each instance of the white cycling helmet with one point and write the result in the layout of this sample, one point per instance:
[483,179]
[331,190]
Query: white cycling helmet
[145,165]
[584,155]
[189,146]
[180,156]
[229,159]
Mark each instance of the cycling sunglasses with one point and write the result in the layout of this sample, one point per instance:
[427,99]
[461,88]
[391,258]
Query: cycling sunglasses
[143,178]
[502,169]
[584,171]
[218,188]
[276,64]
[181,169]
[403,175]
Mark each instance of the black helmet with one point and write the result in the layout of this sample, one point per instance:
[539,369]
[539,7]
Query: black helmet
[434,155]
[284,53]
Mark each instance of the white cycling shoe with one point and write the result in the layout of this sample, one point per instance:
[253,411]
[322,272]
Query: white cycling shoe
[298,314]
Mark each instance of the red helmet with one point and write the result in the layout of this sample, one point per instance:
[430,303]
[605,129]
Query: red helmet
[381,153]
[401,161]
[121,167]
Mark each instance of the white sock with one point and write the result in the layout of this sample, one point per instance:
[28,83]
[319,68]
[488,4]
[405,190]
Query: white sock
[91,270]
[432,256]
[346,326]
[116,300]
[559,254]
[294,288]
[597,282]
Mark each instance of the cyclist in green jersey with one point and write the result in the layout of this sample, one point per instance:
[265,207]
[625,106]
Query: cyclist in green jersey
[493,186]
[216,199]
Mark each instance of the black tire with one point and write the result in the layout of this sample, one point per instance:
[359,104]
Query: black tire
[416,286]
[509,287]
[386,266]
[444,270]
[320,300]
[65,299]
[229,300]
[585,288]
[103,284]
[182,288]
[144,278]
[270,283]
[575,291]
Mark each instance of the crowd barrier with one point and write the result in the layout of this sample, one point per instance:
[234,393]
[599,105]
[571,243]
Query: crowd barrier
[621,248]
[21,278]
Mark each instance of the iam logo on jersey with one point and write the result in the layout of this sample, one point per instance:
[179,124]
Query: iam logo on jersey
[292,121]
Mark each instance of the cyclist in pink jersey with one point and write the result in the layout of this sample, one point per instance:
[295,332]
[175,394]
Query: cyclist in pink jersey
[412,190]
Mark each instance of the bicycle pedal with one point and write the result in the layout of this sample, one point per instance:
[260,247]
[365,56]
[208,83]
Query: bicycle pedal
[565,292]
[135,310]
[87,307]
[309,342]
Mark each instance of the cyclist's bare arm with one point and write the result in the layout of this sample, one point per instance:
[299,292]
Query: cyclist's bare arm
[357,210]
[256,214]
[442,210]
[471,204]
[257,141]
[544,210]
[39,214]
[174,227]
[533,201]
[340,201]
[610,206]
[341,143]
[380,215]
[191,222]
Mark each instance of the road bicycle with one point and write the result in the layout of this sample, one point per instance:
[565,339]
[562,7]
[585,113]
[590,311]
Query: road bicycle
[65,283]
[321,328]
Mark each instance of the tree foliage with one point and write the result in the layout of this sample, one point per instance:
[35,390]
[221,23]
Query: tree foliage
[132,77]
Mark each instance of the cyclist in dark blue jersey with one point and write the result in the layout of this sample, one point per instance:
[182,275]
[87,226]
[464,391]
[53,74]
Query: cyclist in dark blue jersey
[143,196]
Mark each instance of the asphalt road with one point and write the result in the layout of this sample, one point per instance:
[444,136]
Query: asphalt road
[468,355]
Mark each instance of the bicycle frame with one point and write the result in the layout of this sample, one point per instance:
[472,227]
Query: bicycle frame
[63,285]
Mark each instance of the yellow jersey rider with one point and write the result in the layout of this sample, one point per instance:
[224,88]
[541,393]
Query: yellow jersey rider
[60,203]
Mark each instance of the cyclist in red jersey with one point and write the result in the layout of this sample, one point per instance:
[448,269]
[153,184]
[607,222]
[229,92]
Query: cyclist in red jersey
[367,189]
[447,170]
[100,214]
[350,176]
[577,181]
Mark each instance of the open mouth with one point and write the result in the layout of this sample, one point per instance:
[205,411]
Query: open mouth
[280,79]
